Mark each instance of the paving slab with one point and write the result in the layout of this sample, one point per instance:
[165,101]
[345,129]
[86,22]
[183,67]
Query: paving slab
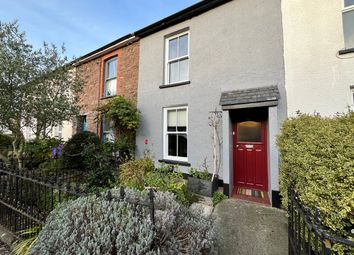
[246,228]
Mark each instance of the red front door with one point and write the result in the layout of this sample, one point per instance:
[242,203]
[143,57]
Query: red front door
[250,155]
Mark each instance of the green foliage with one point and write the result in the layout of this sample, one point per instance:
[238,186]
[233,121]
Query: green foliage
[52,166]
[123,112]
[165,179]
[203,175]
[73,149]
[37,86]
[5,140]
[317,160]
[93,225]
[218,197]
[132,173]
[123,148]
[40,150]
[96,162]
[24,246]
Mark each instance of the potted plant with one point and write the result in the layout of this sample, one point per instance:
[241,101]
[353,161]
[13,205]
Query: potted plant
[201,182]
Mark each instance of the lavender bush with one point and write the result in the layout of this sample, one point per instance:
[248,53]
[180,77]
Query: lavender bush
[91,225]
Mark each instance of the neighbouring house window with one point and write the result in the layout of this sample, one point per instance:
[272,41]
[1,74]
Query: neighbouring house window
[81,123]
[28,133]
[348,23]
[107,129]
[177,58]
[176,133]
[58,131]
[110,77]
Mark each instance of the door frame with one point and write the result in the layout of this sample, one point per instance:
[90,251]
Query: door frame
[264,127]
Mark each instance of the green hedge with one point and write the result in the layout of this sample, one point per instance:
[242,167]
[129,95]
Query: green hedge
[317,159]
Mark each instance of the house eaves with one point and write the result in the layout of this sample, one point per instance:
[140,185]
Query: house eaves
[188,13]
[119,43]
[185,14]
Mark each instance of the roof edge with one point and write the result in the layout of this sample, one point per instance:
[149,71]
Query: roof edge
[178,17]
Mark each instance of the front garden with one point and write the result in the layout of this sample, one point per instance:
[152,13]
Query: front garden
[76,178]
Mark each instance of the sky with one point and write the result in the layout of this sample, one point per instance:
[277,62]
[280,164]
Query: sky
[84,25]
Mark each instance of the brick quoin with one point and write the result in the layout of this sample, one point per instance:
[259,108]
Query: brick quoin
[92,73]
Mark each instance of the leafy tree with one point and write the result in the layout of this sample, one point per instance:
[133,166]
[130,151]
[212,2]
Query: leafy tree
[37,87]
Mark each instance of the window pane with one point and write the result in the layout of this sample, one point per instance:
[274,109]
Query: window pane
[348,3]
[183,45]
[249,131]
[111,68]
[84,123]
[182,145]
[171,120]
[182,120]
[172,49]
[348,29]
[172,144]
[184,70]
[173,72]
[110,87]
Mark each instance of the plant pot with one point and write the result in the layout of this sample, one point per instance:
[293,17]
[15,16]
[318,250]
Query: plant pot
[202,187]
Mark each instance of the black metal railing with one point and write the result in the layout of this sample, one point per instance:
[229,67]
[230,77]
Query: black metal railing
[27,199]
[306,234]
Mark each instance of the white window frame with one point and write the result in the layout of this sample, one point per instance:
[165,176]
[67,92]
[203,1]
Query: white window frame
[345,9]
[106,63]
[167,61]
[165,133]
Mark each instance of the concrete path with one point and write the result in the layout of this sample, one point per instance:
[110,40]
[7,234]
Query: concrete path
[247,228]
[4,249]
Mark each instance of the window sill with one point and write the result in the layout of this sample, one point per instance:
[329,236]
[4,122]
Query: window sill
[174,162]
[346,51]
[107,97]
[174,84]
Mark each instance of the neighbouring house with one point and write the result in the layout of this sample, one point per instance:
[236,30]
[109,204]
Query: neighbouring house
[218,54]
[319,55]
[107,72]
[62,132]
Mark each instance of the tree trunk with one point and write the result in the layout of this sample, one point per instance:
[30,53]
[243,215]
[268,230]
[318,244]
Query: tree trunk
[18,147]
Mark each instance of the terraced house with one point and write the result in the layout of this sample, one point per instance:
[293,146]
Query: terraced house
[254,62]
[224,55]
[109,71]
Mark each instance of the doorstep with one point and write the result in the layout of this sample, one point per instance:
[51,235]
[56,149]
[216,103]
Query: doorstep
[248,197]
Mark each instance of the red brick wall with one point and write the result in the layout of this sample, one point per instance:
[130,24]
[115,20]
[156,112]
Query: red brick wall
[92,73]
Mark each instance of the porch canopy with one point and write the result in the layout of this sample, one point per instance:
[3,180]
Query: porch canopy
[248,98]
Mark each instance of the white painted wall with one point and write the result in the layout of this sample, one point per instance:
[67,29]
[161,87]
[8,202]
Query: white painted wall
[316,78]
[238,45]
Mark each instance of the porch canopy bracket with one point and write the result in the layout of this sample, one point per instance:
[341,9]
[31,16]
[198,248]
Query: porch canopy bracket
[248,98]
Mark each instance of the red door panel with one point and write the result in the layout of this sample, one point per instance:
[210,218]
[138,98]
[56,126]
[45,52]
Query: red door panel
[250,156]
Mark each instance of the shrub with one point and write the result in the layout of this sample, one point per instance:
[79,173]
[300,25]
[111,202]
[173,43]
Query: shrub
[317,161]
[40,150]
[203,175]
[123,112]
[218,197]
[5,141]
[132,173]
[73,149]
[52,166]
[97,163]
[91,225]
[123,148]
[165,179]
